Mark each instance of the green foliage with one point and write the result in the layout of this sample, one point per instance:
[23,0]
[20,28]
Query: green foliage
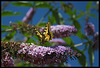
[43,5]
[46,44]
[69,41]
[77,24]
[82,59]
[88,5]
[92,15]
[9,13]
[22,3]
[30,40]
[58,17]
[55,17]
[67,9]
[19,64]
[42,24]
[36,37]
[9,36]
[6,27]
[80,15]
[81,35]
[51,19]
[91,55]
[19,22]
[26,34]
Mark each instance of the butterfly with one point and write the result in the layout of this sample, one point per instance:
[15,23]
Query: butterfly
[44,36]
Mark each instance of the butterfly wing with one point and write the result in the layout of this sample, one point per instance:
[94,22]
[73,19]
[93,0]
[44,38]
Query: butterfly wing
[48,35]
[39,34]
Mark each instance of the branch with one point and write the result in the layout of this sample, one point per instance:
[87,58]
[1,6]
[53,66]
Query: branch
[77,45]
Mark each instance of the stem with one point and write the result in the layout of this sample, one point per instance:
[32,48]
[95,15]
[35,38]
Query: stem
[8,30]
[77,45]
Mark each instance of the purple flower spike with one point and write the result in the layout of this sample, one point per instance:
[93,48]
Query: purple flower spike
[95,41]
[41,55]
[62,30]
[96,36]
[29,15]
[89,29]
[58,41]
[7,60]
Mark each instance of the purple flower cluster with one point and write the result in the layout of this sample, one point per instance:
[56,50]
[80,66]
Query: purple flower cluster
[7,60]
[89,29]
[58,41]
[62,30]
[41,55]
[96,36]
[95,41]
[29,15]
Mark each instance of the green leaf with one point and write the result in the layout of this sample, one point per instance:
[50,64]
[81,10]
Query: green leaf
[51,20]
[77,24]
[9,36]
[88,5]
[80,15]
[6,27]
[43,5]
[26,34]
[82,59]
[93,15]
[31,41]
[37,2]
[69,41]
[9,13]
[18,23]
[22,3]
[46,44]
[81,35]
[36,37]
[91,55]
[86,45]
[58,17]
[18,64]
[67,9]
[75,11]
[42,24]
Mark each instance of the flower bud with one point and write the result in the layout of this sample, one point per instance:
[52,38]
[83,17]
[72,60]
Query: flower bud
[29,15]
[89,29]
[96,36]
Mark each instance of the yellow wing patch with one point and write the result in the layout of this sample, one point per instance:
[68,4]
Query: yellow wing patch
[46,35]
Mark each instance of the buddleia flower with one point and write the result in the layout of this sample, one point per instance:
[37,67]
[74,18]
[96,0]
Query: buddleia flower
[50,55]
[95,41]
[89,29]
[6,60]
[58,41]
[60,31]
[29,15]
[96,36]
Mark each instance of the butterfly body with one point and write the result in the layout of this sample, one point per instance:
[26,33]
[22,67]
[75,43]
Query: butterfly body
[44,36]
